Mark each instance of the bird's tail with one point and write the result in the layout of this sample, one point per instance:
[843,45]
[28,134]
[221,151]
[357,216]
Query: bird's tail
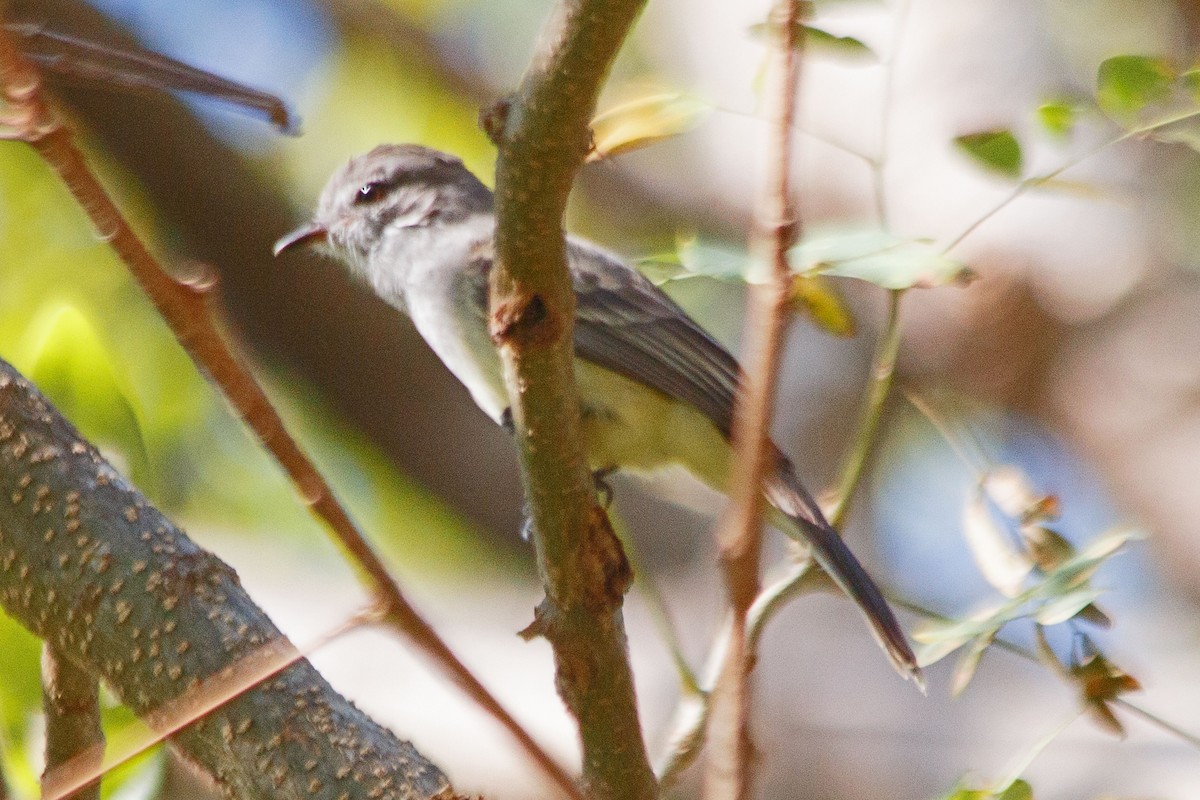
[784,491]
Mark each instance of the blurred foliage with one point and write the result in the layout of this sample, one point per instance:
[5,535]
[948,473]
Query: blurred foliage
[72,319]
[996,150]
[644,121]
[372,93]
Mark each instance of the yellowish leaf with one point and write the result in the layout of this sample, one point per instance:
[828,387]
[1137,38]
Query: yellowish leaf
[818,297]
[642,122]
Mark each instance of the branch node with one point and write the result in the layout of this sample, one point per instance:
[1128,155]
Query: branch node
[493,119]
[540,626]
[608,559]
[524,322]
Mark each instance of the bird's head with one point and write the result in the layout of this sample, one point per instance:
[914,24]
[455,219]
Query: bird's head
[388,192]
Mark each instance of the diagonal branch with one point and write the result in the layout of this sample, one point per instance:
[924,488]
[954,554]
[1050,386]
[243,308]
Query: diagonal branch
[117,590]
[187,311]
[542,135]
[729,771]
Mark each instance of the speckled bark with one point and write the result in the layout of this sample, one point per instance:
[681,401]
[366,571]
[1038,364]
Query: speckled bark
[87,564]
[71,703]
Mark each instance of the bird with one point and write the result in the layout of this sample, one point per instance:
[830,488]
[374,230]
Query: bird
[655,389]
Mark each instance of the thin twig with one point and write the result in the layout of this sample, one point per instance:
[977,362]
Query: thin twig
[71,703]
[883,369]
[880,161]
[1191,739]
[729,770]
[187,311]
[1038,181]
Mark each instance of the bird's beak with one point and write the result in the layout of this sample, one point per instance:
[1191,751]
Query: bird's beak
[306,234]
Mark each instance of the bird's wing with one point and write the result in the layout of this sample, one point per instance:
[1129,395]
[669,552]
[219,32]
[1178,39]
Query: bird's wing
[625,323]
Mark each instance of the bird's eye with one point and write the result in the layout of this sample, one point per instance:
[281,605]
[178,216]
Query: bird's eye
[368,193]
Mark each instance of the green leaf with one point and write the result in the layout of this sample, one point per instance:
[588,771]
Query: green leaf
[663,268]
[938,639]
[1064,607]
[68,360]
[1126,85]
[822,41]
[1058,117]
[1017,790]
[643,122]
[995,150]
[962,793]
[879,258]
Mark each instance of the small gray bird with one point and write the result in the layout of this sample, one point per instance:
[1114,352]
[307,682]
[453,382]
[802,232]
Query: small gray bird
[655,389]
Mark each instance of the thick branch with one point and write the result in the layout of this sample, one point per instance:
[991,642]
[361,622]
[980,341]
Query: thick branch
[542,135]
[71,703]
[110,583]
[730,766]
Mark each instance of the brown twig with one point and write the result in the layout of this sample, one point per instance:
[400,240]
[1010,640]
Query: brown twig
[186,309]
[71,703]
[542,135]
[729,770]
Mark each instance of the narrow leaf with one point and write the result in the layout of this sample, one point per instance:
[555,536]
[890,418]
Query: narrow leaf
[822,41]
[1063,608]
[1017,790]
[663,268]
[996,150]
[879,258]
[968,663]
[642,122]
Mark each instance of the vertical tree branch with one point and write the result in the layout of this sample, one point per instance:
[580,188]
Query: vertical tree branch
[71,702]
[729,771]
[186,310]
[542,136]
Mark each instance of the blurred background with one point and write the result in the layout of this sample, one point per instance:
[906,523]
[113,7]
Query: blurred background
[1074,355]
